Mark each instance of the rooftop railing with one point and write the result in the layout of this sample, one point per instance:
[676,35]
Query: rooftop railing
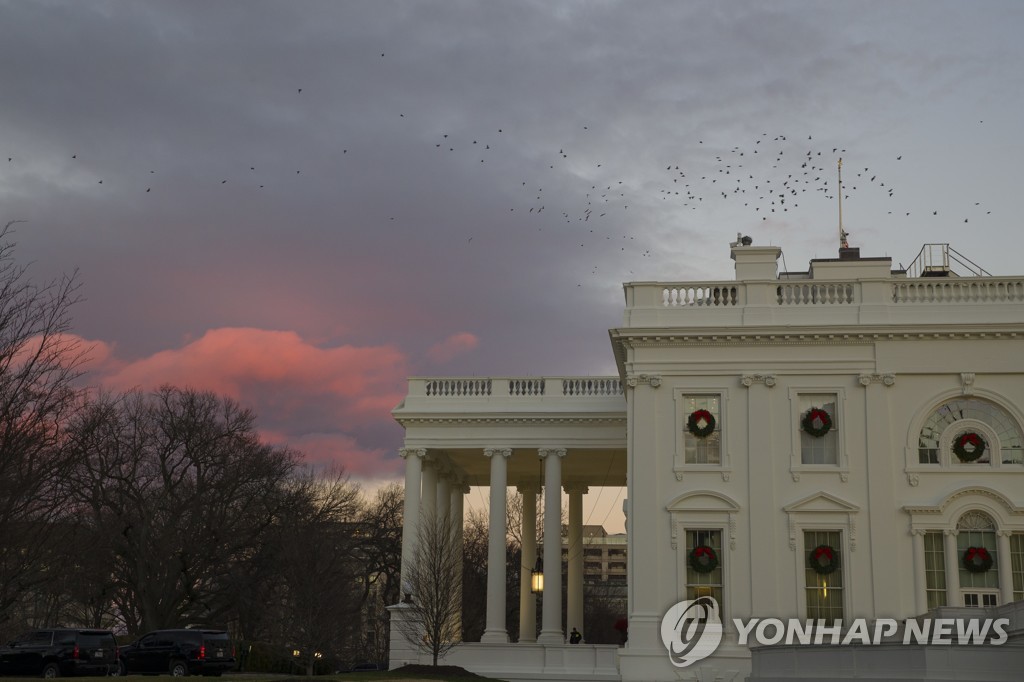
[471,387]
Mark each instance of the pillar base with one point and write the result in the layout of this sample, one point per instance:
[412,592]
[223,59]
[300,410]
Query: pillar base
[494,637]
[546,637]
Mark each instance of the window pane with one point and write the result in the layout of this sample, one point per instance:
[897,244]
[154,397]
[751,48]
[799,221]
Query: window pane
[702,450]
[824,593]
[823,449]
[705,584]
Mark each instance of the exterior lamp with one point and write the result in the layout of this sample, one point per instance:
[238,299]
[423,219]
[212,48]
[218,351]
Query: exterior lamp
[537,578]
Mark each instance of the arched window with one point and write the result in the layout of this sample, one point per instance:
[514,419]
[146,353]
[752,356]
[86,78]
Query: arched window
[977,529]
[938,427]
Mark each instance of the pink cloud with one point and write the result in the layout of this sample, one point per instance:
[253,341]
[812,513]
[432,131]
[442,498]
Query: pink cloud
[454,345]
[331,403]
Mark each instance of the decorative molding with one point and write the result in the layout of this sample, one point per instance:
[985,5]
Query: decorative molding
[914,480]
[679,475]
[652,380]
[726,475]
[544,452]
[887,379]
[675,536]
[796,476]
[844,476]
[967,381]
[572,488]
[409,452]
[749,380]
[603,419]
[918,531]
[732,530]
[504,452]
[853,532]
[972,491]
[792,532]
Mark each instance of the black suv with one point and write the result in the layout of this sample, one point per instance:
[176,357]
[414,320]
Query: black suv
[54,652]
[179,653]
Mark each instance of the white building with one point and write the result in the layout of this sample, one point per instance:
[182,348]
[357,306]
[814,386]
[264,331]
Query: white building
[909,371]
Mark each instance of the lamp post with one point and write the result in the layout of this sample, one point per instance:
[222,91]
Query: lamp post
[537,577]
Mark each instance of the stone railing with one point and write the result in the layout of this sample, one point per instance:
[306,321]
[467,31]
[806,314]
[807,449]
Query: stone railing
[798,293]
[515,387]
[959,290]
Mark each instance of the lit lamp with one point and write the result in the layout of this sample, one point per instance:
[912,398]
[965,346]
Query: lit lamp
[537,578]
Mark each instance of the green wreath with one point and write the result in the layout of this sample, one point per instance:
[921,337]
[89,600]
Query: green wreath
[703,559]
[977,559]
[694,420]
[823,559]
[816,414]
[972,439]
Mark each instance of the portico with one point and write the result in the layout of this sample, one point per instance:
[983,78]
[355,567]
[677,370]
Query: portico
[551,435]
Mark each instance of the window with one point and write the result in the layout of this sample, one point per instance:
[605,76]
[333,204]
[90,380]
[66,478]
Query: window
[1017,565]
[706,450]
[976,529]
[935,569]
[819,449]
[929,444]
[705,584]
[824,592]
[976,599]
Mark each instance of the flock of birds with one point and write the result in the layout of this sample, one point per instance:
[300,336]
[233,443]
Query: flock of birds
[768,176]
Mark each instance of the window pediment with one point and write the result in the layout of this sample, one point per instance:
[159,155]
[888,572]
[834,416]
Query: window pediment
[821,502]
[703,500]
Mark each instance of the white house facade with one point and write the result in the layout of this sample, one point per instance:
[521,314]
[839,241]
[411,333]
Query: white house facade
[832,444]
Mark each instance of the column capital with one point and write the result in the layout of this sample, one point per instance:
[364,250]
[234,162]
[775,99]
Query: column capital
[405,453]
[749,380]
[652,380]
[918,531]
[528,489]
[543,453]
[504,452]
[572,488]
[887,379]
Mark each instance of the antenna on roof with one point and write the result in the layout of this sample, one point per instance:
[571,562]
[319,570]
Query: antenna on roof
[843,234]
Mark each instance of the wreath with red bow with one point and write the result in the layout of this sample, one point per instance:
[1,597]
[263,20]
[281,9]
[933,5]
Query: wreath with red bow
[703,559]
[968,447]
[816,422]
[823,559]
[977,559]
[693,423]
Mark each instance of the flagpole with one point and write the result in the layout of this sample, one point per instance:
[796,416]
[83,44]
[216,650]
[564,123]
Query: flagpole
[843,244]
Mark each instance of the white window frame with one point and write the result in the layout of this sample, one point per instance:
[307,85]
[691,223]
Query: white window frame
[679,464]
[822,511]
[705,510]
[796,464]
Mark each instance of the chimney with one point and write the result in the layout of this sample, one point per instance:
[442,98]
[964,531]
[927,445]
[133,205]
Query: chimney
[756,262]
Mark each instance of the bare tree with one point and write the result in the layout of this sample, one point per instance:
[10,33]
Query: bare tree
[432,622]
[184,490]
[318,565]
[39,362]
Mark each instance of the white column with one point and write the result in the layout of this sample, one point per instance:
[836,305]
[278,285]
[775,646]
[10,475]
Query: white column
[952,569]
[1005,567]
[456,497]
[551,617]
[920,572]
[428,496]
[527,599]
[411,511]
[444,495]
[497,532]
[574,586]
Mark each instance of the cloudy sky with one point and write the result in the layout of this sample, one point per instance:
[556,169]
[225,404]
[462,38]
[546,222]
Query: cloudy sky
[301,204]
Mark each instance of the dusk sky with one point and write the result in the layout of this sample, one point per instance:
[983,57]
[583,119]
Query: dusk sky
[300,204]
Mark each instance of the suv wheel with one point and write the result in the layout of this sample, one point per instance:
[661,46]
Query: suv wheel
[179,669]
[51,670]
[118,669]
